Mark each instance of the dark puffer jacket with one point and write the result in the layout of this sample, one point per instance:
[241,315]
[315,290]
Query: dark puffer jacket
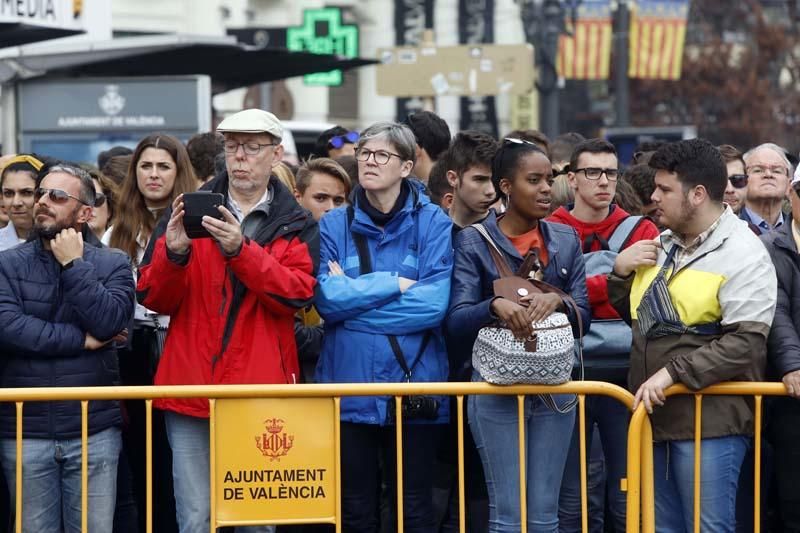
[784,337]
[45,313]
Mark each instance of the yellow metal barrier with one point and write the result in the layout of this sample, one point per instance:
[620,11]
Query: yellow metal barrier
[641,442]
[637,443]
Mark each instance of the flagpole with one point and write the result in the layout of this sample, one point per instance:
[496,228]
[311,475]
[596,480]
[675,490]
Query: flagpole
[621,50]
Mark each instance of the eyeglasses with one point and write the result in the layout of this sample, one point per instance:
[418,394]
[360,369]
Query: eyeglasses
[739,181]
[100,200]
[57,196]
[759,170]
[593,173]
[231,147]
[381,157]
[336,142]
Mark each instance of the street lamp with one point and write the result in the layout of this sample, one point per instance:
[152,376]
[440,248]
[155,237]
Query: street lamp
[544,22]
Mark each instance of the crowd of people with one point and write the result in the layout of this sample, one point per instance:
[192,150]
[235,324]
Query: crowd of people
[376,260]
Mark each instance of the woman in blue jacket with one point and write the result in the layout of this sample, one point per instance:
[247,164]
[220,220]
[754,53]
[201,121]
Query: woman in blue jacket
[523,175]
[384,286]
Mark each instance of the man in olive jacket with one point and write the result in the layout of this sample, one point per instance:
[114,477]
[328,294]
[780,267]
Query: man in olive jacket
[708,323]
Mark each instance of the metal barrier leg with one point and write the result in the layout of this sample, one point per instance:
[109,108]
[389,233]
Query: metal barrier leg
[212,463]
[398,405]
[18,488]
[633,481]
[337,428]
[582,461]
[84,466]
[148,462]
[523,488]
[698,456]
[757,469]
[648,486]
[462,509]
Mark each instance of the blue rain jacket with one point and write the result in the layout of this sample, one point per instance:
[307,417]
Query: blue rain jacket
[360,311]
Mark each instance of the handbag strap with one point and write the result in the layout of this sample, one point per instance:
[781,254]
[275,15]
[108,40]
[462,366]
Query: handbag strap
[365,267]
[499,260]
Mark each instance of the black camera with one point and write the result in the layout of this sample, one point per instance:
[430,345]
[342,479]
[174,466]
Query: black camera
[414,408]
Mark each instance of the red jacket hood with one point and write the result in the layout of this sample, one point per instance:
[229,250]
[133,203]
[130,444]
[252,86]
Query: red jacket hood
[602,229]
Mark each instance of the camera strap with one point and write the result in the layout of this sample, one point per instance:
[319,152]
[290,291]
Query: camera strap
[365,267]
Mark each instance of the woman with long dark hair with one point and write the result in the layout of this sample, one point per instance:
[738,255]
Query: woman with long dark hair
[160,170]
[523,176]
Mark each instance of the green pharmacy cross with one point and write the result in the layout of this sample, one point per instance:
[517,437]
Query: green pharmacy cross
[322,32]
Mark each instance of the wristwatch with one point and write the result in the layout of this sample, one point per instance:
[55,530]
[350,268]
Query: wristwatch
[71,263]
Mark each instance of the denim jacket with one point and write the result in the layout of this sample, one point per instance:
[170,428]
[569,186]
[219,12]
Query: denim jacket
[474,272]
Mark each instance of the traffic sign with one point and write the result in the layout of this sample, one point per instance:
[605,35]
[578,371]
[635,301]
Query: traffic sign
[322,32]
[466,70]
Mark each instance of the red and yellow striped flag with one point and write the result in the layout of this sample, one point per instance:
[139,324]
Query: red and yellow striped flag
[586,54]
[658,31]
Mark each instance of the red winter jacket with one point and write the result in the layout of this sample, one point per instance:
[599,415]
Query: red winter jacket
[596,285]
[232,318]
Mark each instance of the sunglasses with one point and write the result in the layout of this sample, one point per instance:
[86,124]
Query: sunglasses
[739,181]
[100,199]
[57,196]
[337,141]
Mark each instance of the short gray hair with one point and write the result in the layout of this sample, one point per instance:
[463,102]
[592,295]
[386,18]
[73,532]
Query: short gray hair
[398,135]
[768,146]
[87,194]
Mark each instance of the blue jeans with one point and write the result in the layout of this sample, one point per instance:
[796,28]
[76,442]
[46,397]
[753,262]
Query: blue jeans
[188,438]
[493,421]
[673,465]
[612,418]
[51,487]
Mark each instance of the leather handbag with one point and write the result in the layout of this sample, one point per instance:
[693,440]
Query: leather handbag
[547,356]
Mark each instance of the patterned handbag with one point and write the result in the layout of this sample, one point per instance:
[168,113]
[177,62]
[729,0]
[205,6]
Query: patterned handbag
[544,358]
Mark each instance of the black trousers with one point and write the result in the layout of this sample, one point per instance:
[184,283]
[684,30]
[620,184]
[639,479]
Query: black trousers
[784,432]
[365,447]
[137,368]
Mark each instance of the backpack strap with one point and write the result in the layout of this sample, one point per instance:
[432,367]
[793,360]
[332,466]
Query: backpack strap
[623,232]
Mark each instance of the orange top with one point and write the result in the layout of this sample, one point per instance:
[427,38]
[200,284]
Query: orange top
[529,241]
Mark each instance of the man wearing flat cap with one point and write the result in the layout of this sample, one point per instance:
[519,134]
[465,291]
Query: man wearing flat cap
[231,297]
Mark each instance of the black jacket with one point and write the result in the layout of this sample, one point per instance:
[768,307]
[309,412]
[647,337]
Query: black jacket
[45,313]
[784,337]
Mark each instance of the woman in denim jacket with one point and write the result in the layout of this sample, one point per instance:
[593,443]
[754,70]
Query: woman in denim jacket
[522,173]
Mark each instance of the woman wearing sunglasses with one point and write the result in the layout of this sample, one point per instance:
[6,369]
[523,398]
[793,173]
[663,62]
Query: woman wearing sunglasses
[103,211]
[160,170]
[384,283]
[336,142]
[523,175]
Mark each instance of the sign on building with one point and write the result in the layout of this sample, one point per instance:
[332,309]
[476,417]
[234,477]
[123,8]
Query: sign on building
[62,14]
[467,70]
[323,32]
